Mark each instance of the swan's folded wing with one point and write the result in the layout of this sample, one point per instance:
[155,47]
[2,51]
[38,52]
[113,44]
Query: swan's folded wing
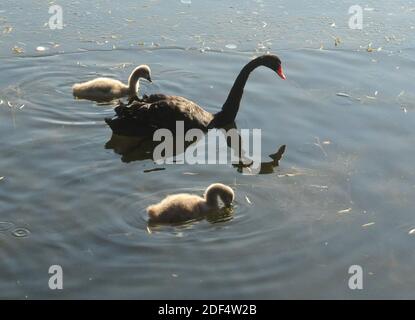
[144,117]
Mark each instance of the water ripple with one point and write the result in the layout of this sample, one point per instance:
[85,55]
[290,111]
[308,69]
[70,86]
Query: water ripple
[20,232]
[4,226]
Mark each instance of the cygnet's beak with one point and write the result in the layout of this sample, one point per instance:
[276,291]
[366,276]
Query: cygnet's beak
[149,79]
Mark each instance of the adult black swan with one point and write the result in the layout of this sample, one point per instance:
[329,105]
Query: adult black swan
[144,116]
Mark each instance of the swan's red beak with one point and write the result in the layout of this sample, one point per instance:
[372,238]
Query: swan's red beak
[281,73]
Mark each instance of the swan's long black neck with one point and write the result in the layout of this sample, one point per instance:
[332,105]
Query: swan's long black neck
[231,106]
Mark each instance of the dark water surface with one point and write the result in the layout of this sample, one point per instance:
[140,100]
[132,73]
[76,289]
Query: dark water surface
[343,194]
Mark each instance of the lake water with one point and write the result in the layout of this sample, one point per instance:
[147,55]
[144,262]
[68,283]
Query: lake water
[343,194]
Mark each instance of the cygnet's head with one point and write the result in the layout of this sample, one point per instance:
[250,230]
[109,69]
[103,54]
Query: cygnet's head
[145,72]
[222,191]
[142,71]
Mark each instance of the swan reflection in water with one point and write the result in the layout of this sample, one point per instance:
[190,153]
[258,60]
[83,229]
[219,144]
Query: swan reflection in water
[266,167]
[139,149]
[222,215]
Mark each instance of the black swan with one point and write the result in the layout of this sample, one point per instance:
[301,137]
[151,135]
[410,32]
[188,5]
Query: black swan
[182,207]
[144,116]
[107,89]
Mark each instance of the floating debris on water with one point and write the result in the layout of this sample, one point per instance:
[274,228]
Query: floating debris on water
[337,41]
[344,210]
[121,65]
[1,178]
[403,108]
[7,29]
[231,46]
[318,144]
[247,199]
[371,49]
[261,46]
[411,232]
[154,169]
[368,224]
[186,1]
[17,50]
[319,187]
[342,94]
[290,174]
[41,49]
